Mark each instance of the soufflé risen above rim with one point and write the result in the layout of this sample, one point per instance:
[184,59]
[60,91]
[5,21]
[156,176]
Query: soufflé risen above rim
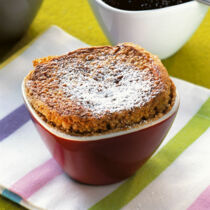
[97,90]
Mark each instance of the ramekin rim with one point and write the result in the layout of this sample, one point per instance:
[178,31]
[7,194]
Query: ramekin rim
[65,136]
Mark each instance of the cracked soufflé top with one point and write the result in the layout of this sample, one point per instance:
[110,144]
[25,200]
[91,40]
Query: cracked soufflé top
[98,89]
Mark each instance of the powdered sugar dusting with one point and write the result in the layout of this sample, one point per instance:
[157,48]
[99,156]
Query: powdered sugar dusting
[106,87]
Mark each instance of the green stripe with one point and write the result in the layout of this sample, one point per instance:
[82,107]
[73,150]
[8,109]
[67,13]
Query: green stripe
[157,164]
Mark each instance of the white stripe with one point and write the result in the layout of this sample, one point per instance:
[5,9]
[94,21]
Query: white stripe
[65,194]
[29,205]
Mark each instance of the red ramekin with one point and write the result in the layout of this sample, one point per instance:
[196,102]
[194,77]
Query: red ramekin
[108,158]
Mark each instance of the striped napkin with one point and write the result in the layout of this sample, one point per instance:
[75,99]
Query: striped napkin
[176,177]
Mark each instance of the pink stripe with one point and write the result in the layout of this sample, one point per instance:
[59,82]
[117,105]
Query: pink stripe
[202,202]
[36,179]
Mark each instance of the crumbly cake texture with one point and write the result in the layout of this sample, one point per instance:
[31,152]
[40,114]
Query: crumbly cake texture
[98,89]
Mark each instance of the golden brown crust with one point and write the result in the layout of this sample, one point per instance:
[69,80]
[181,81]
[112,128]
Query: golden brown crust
[113,74]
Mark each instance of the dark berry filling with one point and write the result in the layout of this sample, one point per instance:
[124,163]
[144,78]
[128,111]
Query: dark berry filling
[143,4]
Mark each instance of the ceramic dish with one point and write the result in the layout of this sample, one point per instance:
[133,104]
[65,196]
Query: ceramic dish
[160,31]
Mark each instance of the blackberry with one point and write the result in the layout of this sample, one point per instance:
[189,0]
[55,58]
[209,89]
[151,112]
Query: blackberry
[143,4]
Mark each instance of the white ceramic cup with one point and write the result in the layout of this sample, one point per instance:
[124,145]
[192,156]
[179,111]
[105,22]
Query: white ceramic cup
[161,31]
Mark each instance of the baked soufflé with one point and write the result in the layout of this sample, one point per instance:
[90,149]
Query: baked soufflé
[96,90]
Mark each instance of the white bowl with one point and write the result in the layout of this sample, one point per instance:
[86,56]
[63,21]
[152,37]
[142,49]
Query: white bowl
[161,31]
